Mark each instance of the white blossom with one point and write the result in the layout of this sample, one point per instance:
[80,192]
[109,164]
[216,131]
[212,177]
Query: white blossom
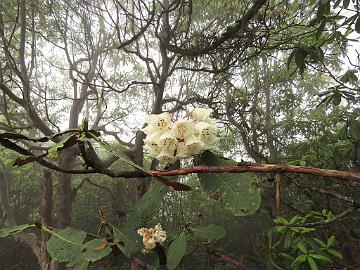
[168,140]
[193,145]
[152,147]
[157,124]
[206,133]
[152,237]
[201,114]
[160,234]
[181,151]
[166,157]
[182,128]
[153,131]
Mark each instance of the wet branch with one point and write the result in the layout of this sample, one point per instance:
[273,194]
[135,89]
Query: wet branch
[262,168]
[96,166]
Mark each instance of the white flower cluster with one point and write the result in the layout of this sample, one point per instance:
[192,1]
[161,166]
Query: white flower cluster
[169,140]
[152,236]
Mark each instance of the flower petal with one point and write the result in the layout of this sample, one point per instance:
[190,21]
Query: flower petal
[201,114]
[160,121]
[206,133]
[182,128]
[193,145]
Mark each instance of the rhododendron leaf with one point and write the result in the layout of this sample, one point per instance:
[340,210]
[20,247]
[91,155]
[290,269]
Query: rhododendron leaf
[9,231]
[209,233]
[147,206]
[176,251]
[129,240]
[66,245]
[236,192]
[95,250]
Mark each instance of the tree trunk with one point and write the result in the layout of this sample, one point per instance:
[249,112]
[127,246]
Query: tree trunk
[67,160]
[138,158]
[9,220]
[46,215]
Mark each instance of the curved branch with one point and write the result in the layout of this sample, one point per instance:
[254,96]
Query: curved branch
[230,33]
[142,30]
[256,168]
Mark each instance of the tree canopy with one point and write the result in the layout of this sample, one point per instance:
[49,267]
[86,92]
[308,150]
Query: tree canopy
[171,133]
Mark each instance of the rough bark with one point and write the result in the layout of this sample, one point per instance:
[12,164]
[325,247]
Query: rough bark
[46,215]
[9,219]
[138,158]
[67,160]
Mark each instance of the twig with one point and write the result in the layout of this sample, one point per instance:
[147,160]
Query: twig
[235,263]
[353,202]
[335,218]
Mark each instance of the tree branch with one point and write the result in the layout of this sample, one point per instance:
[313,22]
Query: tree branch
[262,168]
[240,168]
[236,264]
[353,202]
[230,33]
[141,31]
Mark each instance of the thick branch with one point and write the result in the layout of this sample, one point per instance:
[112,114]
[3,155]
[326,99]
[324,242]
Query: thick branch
[256,168]
[240,168]
[262,168]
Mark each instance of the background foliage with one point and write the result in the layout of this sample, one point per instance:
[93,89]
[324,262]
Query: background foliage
[281,77]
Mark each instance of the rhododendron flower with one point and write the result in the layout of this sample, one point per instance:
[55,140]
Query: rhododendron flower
[160,234]
[154,135]
[193,145]
[166,157]
[206,133]
[152,237]
[181,151]
[201,114]
[150,244]
[182,128]
[157,122]
[168,140]
[152,147]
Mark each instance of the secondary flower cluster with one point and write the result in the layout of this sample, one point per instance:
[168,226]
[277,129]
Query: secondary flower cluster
[169,140]
[152,236]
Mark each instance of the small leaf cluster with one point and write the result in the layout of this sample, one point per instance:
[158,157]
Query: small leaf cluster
[297,246]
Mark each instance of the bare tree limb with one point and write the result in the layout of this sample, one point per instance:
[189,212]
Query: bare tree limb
[230,33]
